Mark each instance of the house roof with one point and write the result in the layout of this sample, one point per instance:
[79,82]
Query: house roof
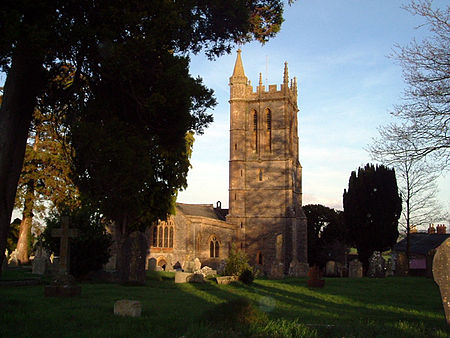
[421,243]
[203,210]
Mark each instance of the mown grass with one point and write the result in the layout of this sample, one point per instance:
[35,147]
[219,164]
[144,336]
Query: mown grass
[391,307]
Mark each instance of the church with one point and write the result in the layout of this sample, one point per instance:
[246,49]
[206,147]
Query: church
[265,218]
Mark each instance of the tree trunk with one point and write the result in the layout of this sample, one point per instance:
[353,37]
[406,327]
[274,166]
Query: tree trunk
[23,84]
[25,225]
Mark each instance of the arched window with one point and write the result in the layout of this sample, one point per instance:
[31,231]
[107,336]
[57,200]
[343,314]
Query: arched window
[166,237]
[171,238]
[155,236]
[160,237]
[214,247]
[259,258]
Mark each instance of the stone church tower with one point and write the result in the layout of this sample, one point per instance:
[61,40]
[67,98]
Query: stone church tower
[265,192]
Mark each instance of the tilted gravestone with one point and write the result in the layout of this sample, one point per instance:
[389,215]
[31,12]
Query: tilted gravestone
[441,274]
[134,253]
[376,266]
[355,269]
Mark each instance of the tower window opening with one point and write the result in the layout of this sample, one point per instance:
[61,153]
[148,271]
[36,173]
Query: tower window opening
[269,129]
[235,146]
[255,121]
[260,175]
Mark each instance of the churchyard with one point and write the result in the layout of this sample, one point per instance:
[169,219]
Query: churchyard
[350,307]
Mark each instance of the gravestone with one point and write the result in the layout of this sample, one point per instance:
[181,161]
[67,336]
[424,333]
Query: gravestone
[111,265]
[64,250]
[226,279]
[13,260]
[441,274]
[41,261]
[64,284]
[376,266]
[126,307]
[315,277]
[355,269]
[389,268]
[197,264]
[331,269]
[134,253]
[276,270]
[188,266]
[401,265]
[151,264]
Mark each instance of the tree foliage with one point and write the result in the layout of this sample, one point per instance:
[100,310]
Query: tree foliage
[326,234]
[236,263]
[372,207]
[424,114]
[92,36]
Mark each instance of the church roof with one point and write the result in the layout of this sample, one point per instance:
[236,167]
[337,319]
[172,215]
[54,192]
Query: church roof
[202,210]
[421,243]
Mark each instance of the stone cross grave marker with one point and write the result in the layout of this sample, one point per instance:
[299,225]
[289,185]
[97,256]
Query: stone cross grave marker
[64,232]
[441,274]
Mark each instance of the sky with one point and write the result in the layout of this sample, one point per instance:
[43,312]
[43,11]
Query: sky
[347,84]
[338,50]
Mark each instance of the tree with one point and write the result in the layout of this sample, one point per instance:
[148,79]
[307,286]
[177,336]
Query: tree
[417,183]
[424,113]
[38,35]
[372,207]
[325,230]
[44,179]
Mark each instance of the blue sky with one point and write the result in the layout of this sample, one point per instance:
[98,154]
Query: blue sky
[338,51]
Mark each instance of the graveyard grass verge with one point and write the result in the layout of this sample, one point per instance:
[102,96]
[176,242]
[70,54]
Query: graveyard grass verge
[389,307]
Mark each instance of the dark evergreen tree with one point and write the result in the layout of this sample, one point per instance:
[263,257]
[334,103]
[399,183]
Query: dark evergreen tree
[372,207]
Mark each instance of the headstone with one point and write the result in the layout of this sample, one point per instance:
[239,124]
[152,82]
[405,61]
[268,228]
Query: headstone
[189,266]
[331,269]
[64,250]
[134,253]
[376,266]
[182,277]
[297,269]
[389,268]
[41,261]
[13,260]
[441,274]
[112,263]
[401,265]
[355,269]
[126,307]
[63,285]
[151,264]
[315,278]
[226,279]
[276,270]
[197,264]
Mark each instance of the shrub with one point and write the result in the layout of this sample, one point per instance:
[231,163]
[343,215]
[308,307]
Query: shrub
[90,249]
[236,262]
[247,276]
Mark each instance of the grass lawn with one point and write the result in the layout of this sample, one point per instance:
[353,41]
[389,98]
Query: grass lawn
[390,307]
